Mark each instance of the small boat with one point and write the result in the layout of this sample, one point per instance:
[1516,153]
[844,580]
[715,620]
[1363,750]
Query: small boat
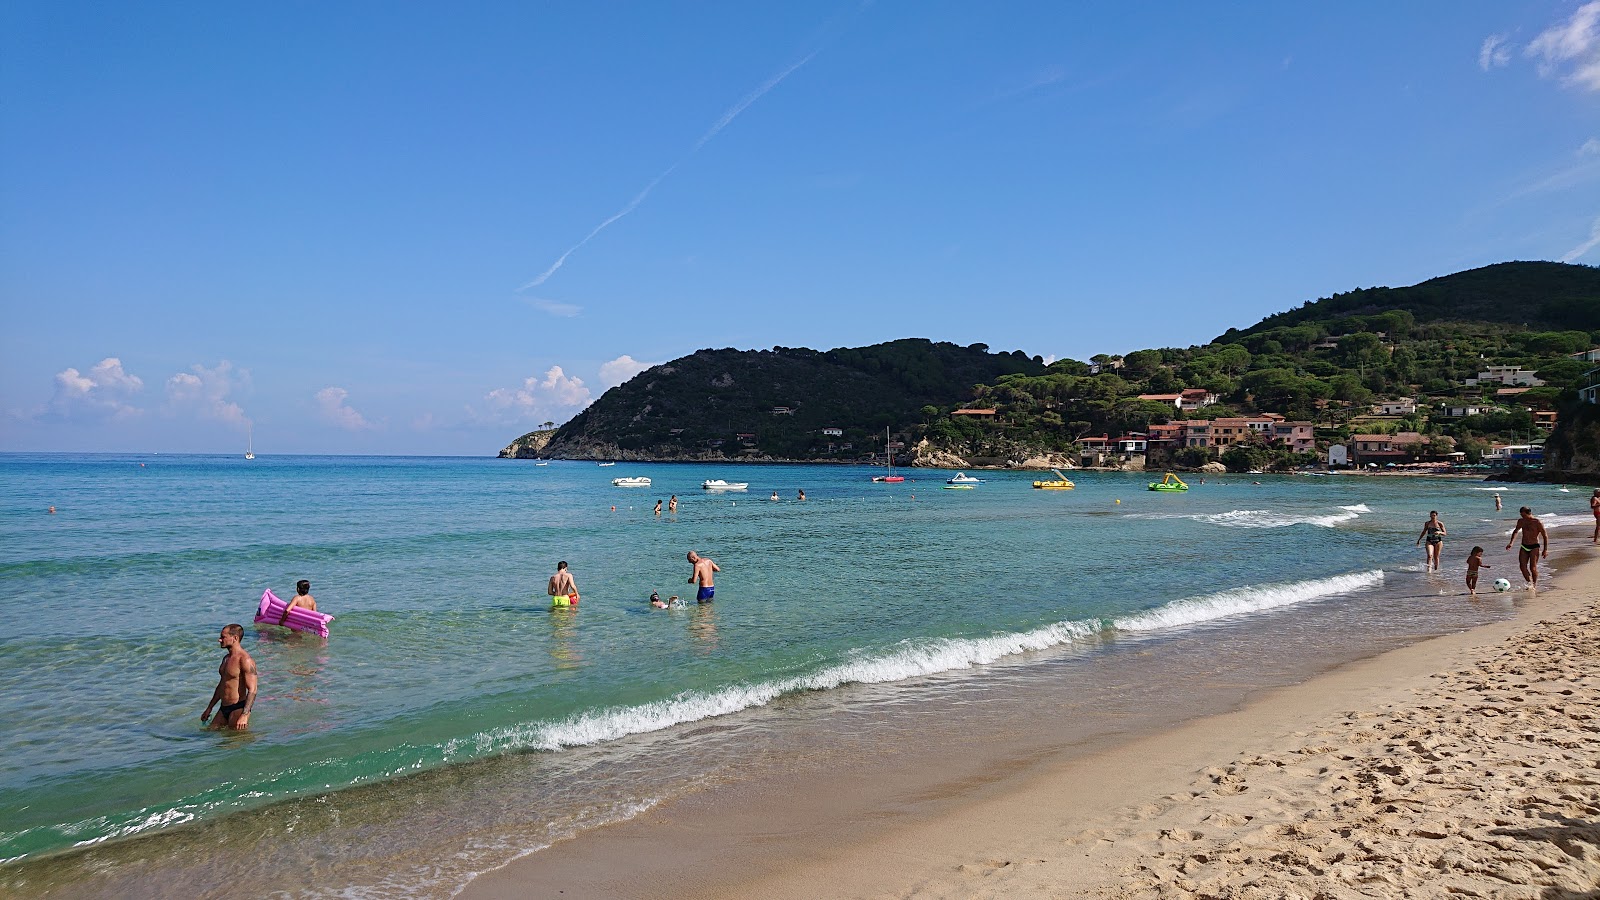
[603,465]
[1059,483]
[541,464]
[636,481]
[959,487]
[1169,483]
[964,478]
[717,484]
[250,443]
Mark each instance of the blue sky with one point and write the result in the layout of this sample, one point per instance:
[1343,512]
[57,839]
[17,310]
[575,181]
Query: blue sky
[427,228]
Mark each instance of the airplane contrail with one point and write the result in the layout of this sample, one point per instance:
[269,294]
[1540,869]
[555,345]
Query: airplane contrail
[721,123]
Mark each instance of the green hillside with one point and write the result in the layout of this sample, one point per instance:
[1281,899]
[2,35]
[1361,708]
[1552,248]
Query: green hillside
[1327,362]
[703,402]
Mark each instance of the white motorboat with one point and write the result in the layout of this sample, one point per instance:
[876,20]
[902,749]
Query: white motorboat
[603,465]
[964,478]
[635,481]
[717,484]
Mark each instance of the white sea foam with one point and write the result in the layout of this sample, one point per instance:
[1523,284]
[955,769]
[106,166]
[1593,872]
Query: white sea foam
[1561,520]
[1264,518]
[1206,608]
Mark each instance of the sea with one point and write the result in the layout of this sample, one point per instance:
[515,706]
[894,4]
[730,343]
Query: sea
[453,721]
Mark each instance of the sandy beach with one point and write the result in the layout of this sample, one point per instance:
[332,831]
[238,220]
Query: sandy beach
[1465,765]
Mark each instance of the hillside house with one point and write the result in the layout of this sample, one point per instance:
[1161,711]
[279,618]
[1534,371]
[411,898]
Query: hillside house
[1296,436]
[1586,356]
[1545,418]
[1590,392]
[974,413]
[1197,433]
[1173,400]
[1165,437]
[1404,406]
[1195,399]
[1509,393]
[1460,410]
[1514,376]
[1131,443]
[1338,455]
[783,410]
[833,432]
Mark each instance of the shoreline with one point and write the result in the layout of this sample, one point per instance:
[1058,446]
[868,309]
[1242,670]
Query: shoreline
[1215,802]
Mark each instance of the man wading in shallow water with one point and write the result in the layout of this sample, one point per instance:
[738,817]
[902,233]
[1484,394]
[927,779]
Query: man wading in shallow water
[1535,545]
[703,575]
[236,683]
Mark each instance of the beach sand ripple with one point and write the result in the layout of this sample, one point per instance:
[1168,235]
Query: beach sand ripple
[1486,784]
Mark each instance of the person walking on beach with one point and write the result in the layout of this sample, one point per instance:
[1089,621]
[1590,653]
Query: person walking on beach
[703,575]
[1535,545]
[562,589]
[1594,507]
[1433,530]
[302,599]
[672,503]
[1474,563]
[236,683]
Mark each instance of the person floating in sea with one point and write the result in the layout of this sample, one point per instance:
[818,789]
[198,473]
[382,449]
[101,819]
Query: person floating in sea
[774,496]
[236,683]
[1594,507]
[703,575]
[1535,545]
[53,509]
[656,601]
[1474,563]
[302,599]
[658,507]
[1496,501]
[562,589]
[672,503]
[1433,530]
[802,494]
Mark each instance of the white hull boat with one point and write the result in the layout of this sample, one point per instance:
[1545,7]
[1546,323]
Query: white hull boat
[717,484]
[639,481]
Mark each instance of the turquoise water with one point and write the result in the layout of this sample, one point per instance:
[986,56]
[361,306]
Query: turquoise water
[444,653]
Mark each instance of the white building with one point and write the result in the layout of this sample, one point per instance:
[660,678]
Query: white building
[1405,406]
[1511,376]
[1338,455]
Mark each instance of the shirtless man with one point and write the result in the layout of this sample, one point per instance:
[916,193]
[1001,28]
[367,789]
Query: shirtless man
[236,683]
[703,576]
[672,503]
[562,589]
[1535,546]
[302,599]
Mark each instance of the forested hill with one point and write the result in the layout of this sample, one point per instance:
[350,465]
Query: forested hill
[700,404]
[1543,296]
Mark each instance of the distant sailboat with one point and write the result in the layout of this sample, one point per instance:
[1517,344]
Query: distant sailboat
[250,443]
[890,478]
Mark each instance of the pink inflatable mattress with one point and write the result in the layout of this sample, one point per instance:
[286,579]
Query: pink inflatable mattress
[271,612]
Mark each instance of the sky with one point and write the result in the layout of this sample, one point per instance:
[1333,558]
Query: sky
[413,228]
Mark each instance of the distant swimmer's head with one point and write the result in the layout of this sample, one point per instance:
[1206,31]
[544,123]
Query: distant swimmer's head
[302,586]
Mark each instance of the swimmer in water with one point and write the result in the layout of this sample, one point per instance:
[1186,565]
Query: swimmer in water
[655,600]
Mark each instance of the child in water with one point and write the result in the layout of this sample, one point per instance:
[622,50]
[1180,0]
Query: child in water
[655,600]
[1474,563]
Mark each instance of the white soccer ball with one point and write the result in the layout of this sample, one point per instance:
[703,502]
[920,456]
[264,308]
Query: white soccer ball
[1502,585]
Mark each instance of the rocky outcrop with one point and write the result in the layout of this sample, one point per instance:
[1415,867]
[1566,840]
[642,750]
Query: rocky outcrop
[1214,468]
[527,446]
[1048,461]
[1573,451]
[925,455]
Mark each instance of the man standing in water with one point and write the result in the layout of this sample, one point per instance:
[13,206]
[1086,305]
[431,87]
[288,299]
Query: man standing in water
[672,503]
[1433,530]
[236,683]
[1535,545]
[703,576]
[562,589]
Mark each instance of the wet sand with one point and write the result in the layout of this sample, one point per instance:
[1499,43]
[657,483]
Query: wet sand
[1464,765]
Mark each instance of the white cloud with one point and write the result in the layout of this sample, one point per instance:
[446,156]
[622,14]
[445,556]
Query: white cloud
[1570,51]
[204,392]
[1579,251]
[1494,53]
[1591,147]
[555,397]
[333,409]
[102,392]
[565,310]
[621,369]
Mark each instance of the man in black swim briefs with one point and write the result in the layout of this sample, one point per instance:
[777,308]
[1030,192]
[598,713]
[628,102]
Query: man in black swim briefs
[1535,546]
[236,683]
